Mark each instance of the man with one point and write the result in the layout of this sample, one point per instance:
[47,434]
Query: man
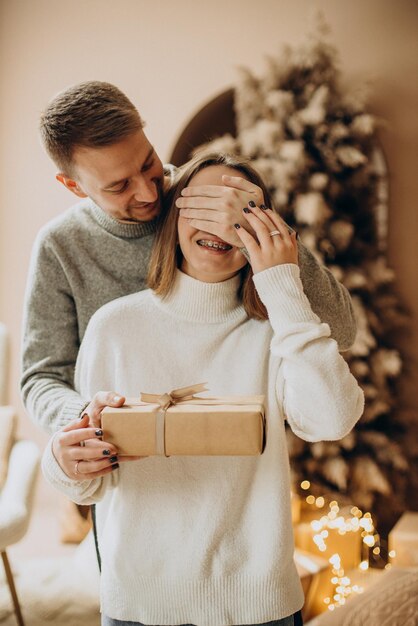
[99,249]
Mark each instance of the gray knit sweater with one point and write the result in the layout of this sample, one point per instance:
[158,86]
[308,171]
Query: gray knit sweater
[83,259]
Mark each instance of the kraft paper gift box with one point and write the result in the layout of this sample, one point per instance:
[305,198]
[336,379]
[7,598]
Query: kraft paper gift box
[403,541]
[179,423]
[347,545]
[315,574]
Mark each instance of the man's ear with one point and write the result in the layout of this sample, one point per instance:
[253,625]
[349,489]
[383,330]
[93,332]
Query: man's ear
[71,185]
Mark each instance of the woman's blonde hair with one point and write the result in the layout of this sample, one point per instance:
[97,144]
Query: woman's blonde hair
[166,255]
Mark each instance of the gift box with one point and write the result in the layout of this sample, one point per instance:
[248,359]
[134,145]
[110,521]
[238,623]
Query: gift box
[347,545]
[179,423]
[315,576]
[403,541]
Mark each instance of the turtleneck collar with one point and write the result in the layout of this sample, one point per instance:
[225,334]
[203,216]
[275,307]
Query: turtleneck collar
[122,229]
[208,303]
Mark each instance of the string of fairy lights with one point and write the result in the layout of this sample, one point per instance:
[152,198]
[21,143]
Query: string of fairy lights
[335,520]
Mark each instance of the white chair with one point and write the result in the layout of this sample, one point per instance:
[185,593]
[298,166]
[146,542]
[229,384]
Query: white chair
[19,463]
[16,503]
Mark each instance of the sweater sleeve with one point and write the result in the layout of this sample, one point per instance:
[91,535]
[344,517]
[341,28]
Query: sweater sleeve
[50,343]
[328,298]
[80,492]
[321,398]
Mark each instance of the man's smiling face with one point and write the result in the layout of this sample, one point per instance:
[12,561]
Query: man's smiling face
[124,179]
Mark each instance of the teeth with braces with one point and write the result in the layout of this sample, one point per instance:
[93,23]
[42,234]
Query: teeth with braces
[214,244]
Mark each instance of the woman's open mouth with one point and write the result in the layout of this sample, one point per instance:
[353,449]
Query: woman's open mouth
[210,244]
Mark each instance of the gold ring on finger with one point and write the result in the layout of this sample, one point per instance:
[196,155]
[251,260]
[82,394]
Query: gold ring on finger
[83,444]
[275,232]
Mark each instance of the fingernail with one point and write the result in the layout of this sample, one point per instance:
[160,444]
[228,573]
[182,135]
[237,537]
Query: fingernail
[117,398]
[237,226]
[115,466]
[106,452]
[99,432]
[113,459]
[246,210]
[263,206]
[251,204]
[82,416]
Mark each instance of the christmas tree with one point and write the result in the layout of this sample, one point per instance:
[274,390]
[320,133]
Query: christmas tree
[317,148]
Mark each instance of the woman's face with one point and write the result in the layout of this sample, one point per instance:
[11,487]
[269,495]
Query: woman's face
[206,257]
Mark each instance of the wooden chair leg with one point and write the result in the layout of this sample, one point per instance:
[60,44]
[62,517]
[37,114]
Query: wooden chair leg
[12,588]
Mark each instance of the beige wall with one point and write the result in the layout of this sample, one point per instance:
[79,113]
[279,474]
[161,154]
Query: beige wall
[170,56]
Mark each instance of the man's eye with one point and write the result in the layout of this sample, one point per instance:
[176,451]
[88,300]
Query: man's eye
[122,187]
[147,166]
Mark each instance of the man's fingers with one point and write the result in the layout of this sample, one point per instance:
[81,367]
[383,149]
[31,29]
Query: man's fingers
[198,202]
[237,182]
[203,214]
[209,191]
[213,228]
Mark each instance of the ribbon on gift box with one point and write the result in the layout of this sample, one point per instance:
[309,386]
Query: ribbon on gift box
[165,400]
[179,396]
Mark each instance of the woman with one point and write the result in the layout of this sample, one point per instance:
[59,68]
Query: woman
[207,540]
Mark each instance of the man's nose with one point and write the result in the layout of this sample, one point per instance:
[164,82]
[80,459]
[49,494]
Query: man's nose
[145,189]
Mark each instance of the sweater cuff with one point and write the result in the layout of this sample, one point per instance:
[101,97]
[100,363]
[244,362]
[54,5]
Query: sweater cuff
[52,470]
[281,291]
[72,410]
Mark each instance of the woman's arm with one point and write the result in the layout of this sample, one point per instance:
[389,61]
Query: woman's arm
[321,398]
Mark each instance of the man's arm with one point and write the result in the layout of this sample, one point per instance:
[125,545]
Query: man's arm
[328,298]
[50,343]
[216,209]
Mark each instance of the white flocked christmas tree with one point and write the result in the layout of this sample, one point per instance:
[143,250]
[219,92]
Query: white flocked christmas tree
[316,145]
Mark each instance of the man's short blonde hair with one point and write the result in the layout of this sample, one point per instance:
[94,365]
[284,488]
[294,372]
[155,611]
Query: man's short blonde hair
[90,114]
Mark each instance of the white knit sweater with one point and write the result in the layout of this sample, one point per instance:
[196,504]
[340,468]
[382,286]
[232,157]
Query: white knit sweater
[208,540]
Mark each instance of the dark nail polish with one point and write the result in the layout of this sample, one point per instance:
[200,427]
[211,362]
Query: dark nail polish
[115,466]
[246,210]
[106,452]
[237,226]
[99,432]
[251,204]
[113,459]
[263,206]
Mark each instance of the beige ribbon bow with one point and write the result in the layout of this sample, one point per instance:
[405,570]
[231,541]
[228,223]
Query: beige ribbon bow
[165,400]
